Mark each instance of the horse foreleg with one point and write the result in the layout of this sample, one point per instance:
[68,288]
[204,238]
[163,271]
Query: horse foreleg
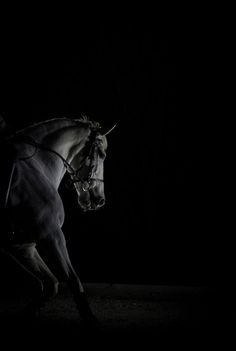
[56,251]
[9,256]
[29,259]
[36,284]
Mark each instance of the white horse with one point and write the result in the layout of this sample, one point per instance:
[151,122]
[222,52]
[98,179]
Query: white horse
[39,157]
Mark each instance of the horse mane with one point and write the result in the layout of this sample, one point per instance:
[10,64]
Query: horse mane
[84,120]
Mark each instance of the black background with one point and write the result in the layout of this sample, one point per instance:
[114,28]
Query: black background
[156,226]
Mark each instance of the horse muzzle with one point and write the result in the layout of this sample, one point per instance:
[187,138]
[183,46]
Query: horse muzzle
[92,206]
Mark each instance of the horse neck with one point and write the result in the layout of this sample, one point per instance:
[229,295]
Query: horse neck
[65,137]
[66,141]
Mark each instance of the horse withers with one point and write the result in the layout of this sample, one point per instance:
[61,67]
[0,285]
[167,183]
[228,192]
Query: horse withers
[32,206]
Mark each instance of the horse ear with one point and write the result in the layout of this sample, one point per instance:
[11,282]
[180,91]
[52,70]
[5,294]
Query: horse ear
[109,130]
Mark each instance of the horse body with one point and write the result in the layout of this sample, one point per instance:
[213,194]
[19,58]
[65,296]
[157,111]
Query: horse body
[39,200]
[43,153]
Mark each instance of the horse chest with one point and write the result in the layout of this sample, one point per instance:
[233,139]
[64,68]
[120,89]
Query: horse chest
[39,200]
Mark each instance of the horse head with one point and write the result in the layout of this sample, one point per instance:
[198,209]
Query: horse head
[89,165]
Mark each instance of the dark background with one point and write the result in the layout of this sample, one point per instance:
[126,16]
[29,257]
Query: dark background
[156,226]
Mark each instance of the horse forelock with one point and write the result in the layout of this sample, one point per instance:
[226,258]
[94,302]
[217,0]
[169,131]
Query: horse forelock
[94,125]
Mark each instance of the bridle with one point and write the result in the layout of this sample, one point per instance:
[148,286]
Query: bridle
[74,174]
[75,177]
[88,161]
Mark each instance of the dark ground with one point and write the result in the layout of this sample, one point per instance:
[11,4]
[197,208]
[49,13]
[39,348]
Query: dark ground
[135,315]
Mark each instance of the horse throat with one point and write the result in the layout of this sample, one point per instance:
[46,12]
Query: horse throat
[65,145]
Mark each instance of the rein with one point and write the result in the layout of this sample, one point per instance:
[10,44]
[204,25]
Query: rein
[74,174]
